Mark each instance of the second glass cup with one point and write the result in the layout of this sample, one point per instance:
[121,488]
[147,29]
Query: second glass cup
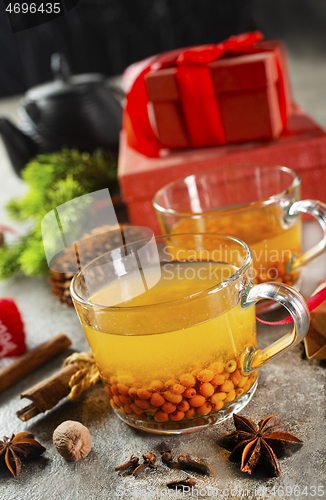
[260,204]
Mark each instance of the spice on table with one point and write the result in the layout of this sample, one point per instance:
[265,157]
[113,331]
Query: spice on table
[188,463]
[78,374]
[132,462]
[165,452]
[72,440]
[31,360]
[188,482]
[269,441]
[149,461]
[21,446]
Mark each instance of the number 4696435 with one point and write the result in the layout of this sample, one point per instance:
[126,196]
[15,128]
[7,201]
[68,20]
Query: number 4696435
[32,8]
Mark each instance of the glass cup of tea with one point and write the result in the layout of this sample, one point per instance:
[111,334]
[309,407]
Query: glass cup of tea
[258,204]
[172,327]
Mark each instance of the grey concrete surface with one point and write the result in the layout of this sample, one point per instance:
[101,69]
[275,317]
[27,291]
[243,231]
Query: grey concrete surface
[294,386]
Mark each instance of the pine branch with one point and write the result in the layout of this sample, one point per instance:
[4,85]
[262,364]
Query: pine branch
[53,179]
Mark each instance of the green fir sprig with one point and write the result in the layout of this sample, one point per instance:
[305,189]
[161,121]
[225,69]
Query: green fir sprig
[53,179]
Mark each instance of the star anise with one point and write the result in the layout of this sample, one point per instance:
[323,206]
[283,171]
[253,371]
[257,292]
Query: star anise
[17,448]
[268,442]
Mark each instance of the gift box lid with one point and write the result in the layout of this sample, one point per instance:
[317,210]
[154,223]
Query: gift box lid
[233,74]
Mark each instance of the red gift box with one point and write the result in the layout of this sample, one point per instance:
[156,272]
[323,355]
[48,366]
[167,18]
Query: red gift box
[235,91]
[301,146]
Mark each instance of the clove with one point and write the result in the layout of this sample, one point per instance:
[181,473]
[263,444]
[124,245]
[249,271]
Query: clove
[132,462]
[188,482]
[188,463]
[149,461]
[165,452]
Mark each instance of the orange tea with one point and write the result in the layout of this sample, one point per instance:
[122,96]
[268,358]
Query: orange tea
[273,242]
[182,373]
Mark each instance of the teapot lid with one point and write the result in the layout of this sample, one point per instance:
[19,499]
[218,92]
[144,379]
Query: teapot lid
[64,82]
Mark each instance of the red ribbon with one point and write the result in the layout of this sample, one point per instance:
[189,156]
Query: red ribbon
[313,302]
[197,94]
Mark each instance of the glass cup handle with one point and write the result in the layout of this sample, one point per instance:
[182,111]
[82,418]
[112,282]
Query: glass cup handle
[297,307]
[318,210]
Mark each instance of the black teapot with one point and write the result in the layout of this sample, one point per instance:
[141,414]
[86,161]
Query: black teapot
[77,111]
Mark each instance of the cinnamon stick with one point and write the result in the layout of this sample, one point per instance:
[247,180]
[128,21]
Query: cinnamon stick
[46,394]
[31,360]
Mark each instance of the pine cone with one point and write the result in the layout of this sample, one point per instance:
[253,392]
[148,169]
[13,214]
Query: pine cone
[96,245]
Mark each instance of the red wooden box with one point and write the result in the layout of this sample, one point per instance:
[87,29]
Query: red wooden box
[252,92]
[302,147]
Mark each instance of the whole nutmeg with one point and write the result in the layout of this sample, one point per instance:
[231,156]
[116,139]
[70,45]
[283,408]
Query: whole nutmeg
[72,440]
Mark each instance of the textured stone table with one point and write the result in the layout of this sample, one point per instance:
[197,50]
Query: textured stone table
[294,386]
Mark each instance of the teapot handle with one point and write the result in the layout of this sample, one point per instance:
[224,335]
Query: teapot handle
[60,67]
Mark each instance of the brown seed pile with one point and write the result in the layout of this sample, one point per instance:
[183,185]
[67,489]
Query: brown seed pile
[196,393]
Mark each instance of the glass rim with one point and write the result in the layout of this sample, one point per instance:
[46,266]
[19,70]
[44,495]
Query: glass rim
[224,209]
[227,282]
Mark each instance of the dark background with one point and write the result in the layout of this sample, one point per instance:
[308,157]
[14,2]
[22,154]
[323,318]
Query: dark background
[107,35]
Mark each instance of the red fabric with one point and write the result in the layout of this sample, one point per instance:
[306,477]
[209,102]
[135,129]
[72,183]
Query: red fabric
[313,302]
[12,336]
[197,94]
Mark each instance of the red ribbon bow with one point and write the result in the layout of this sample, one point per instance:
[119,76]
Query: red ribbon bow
[196,90]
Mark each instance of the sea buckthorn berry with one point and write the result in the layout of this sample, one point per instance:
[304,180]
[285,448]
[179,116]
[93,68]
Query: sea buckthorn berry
[230,396]
[178,389]
[143,393]
[157,399]
[226,374]
[204,409]
[136,409]
[177,415]
[189,393]
[239,392]
[236,377]
[117,401]
[138,416]
[242,381]
[190,413]
[227,386]
[173,398]
[197,401]
[195,372]
[217,367]
[127,409]
[133,392]
[205,375]
[170,383]
[108,391]
[113,380]
[114,390]
[247,385]
[112,404]
[217,380]
[123,389]
[206,389]
[126,400]
[168,407]
[231,366]
[218,396]
[161,416]
[183,406]
[218,405]
[156,386]
[144,404]
[187,380]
